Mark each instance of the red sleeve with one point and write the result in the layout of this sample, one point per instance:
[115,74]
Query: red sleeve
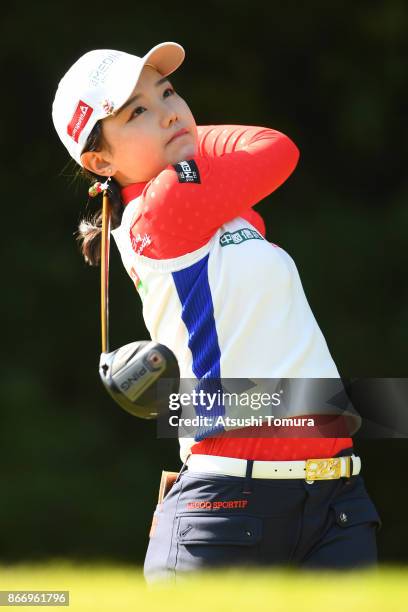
[235,167]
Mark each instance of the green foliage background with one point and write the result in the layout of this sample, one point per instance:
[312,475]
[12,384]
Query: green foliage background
[78,477]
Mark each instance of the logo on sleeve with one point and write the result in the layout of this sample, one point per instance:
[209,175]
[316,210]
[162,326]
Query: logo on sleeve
[187,172]
[239,236]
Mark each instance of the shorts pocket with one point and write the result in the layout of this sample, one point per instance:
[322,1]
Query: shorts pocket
[205,542]
[210,530]
[354,511]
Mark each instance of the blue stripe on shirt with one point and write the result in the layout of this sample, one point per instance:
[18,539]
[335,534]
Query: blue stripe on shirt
[197,312]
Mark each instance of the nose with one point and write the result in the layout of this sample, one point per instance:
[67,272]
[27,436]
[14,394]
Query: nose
[169,117]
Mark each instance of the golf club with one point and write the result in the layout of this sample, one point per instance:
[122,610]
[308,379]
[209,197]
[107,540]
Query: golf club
[140,375]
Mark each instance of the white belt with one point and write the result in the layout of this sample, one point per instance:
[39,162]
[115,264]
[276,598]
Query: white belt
[310,469]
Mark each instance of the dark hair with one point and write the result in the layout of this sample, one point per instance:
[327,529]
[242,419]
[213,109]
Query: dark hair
[89,232]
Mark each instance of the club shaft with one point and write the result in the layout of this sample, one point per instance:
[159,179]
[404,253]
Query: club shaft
[105,248]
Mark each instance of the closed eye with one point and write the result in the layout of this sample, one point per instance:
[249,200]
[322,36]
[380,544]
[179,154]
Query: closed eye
[139,110]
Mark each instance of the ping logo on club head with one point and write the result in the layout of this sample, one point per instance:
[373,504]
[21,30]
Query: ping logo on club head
[133,378]
[152,362]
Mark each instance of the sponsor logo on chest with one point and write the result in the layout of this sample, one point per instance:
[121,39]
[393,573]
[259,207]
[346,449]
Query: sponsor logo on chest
[138,283]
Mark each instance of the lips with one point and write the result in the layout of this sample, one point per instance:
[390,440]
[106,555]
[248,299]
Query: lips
[178,134]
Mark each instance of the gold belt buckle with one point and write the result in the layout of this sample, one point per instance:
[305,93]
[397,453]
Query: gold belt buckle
[326,469]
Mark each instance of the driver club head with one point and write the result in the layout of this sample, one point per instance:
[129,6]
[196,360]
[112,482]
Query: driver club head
[140,376]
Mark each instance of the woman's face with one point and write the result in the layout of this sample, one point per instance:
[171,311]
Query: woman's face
[139,135]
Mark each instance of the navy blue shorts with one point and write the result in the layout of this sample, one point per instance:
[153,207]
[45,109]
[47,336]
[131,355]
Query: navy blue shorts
[212,520]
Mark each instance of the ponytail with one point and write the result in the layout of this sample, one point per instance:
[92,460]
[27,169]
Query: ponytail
[89,233]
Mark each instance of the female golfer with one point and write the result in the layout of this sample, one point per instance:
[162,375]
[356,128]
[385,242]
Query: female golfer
[228,303]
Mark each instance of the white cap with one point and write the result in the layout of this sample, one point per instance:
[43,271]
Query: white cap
[98,84]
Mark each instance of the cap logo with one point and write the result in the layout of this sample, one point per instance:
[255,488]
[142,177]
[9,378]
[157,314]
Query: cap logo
[98,76]
[79,120]
[109,107]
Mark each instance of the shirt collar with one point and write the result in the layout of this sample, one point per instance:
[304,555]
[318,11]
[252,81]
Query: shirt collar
[130,192]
